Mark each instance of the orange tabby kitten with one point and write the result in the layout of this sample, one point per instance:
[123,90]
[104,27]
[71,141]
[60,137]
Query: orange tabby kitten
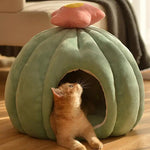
[68,120]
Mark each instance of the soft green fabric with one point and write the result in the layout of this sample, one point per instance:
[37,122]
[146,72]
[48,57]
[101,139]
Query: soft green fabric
[122,23]
[50,55]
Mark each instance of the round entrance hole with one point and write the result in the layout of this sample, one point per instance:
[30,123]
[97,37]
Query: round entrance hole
[93,100]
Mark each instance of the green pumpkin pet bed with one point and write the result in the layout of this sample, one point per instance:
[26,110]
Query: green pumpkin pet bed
[70,53]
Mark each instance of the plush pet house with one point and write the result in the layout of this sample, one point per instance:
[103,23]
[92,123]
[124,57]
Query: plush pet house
[74,52]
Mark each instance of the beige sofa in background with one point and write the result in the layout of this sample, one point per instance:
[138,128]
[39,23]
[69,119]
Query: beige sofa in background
[20,20]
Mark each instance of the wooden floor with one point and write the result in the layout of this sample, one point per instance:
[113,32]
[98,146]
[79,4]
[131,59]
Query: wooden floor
[138,139]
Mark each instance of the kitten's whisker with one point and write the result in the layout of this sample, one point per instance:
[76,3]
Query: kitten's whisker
[84,82]
[79,80]
[85,85]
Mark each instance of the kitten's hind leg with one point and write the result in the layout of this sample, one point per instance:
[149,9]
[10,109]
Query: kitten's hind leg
[70,143]
[90,136]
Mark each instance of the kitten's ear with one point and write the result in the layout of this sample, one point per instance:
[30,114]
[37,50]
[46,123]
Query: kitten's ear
[57,92]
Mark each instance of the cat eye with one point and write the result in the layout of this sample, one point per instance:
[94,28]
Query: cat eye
[70,85]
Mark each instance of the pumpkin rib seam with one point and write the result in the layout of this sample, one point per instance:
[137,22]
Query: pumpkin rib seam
[27,59]
[122,55]
[44,82]
[134,74]
[51,60]
[131,68]
[86,30]
[78,44]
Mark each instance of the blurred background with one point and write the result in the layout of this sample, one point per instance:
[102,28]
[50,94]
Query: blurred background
[20,21]
[142,11]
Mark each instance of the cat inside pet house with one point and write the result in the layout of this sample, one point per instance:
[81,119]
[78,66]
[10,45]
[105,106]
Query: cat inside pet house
[68,118]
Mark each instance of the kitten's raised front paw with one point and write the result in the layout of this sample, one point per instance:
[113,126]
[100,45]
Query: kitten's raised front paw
[95,143]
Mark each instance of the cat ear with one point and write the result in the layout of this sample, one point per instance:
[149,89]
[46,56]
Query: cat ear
[57,92]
